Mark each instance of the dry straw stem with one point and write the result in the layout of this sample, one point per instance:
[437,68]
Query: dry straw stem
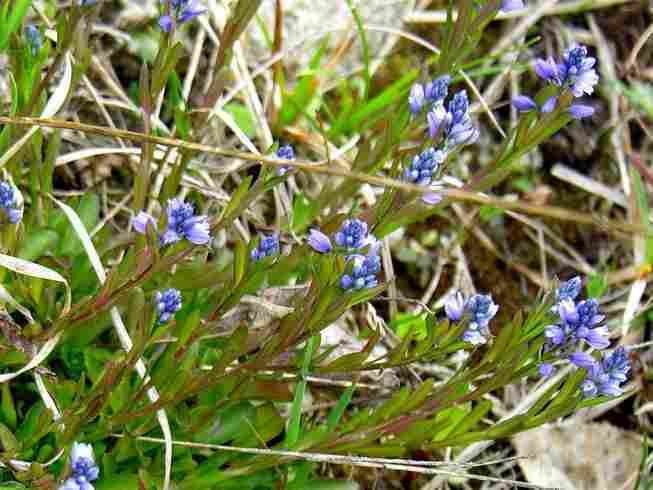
[320,167]
[413,466]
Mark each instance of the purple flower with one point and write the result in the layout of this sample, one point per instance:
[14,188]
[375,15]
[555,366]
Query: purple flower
[460,129]
[432,198]
[511,5]
[363,273]
[523,103]
[424,166]
[480,308]
[454,306]
[141,221]
[267,247]
[167,303]
[582,359]
[354,235]
[285,152]
[416,98]
[84,469]
[607,376]
[181,11]
[182,223]
[435,118]
[576,71]
[9,204]
[546,369]
[550,104]
[319,242]
[569,289]
[580,111]
[437,90]
[547,70]
[34,38]
[578,322]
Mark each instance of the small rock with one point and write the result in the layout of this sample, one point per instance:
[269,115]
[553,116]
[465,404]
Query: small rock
[579,456]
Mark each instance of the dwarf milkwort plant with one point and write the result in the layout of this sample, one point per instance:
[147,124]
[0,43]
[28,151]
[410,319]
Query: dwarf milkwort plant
[165,310]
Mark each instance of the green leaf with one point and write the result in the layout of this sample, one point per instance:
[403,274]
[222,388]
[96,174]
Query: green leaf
[597,286]
[304,211]
[88,211]
[405,324]
[336,413]
[294,423]
[243,118]
[39,243]
[238,196]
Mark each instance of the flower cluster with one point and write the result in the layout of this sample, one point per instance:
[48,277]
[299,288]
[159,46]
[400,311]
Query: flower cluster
[479,309]
[267,247]
[285,152]
[424,166]
[9,203]
[363,272]
[167,303]
[605,377]
[84,469]
[351,239]
[575,73]
[577,323]
[180,11]
[581,323]
[182,223]
[449,126]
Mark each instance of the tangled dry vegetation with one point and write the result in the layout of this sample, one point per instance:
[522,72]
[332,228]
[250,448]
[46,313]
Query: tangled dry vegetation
[572,206]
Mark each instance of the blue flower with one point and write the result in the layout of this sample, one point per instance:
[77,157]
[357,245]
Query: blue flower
[9,202]
[523,103]
[34,38]
[319,242]
[576,72]
[480,308]
[354,235]
[580,111]
[454,306]
[437,90]
[363,272]
[546,369]
[416,98]
[607,376]
[142,220]
[181,11]
[167,303]
[511,5]
[569,289]
[456,124]
[267,247]
[182,223]
[84,469]
[424,166]
[578,322]
[550,104]
[285,152]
